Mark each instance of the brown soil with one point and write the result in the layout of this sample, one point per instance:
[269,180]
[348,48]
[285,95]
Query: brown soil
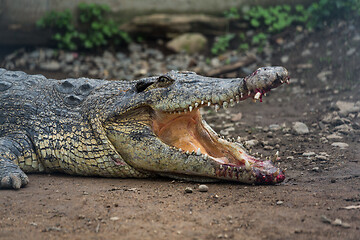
[305,206]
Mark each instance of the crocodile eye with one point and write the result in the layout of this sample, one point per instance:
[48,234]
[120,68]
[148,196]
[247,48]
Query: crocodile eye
[163,79]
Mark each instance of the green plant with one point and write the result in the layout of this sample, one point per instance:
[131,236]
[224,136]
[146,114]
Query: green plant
[93,28]
[61,24]
[276,18]
[222,43]
[328,10]
[270,20]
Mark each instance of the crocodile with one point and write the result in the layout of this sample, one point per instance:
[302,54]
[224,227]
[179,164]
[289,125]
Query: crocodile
[143,128]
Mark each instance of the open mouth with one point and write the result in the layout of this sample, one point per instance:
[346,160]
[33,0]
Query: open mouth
[190,134]
[172,139]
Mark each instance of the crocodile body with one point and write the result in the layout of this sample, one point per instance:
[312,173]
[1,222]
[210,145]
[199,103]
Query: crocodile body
[141,128]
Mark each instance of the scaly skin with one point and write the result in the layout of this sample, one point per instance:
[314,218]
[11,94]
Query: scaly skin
[141,128]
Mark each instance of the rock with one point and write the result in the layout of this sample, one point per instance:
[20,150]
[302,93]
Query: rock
[316,169]
[347,107]
[114,218]
[334,136]
[350,52]
[323,75]
[308,154]
[203,188]
[154,54]
[341,145]
[306,53]
[69,57]
[50,66]
[251,143]
[300,128]
[121,56]
[267,147]
[325,219]
[188,190]
[274,127]
[339,222]
[329,117]
[215,62]
[279,202]
[321,157]
[344,128]
[356,38]
[188,42]
[324,140]
[284,59]
[34,54]
[133,47]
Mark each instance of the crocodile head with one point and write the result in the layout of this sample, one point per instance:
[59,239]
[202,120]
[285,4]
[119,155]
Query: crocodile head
[162,130]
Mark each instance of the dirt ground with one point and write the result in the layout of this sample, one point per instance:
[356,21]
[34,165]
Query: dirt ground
[322,179]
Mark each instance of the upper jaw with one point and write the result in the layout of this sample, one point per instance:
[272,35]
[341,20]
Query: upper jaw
[218,92]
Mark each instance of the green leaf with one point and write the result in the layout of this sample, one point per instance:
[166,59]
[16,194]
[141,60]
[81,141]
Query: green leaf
[88,44]
[255,23]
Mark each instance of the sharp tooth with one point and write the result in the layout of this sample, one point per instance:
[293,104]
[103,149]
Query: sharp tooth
[225,105]
[209,103]
[241,95]
[221,167]
[237,98]
[180,150]
[249,92]
[247,165]
[232,103]
[198,152]
[276,155]
[196,104]
[265,94]
[190,108]
[185,110]
[202,102]
[238,139]
[187,152]
[257,95]
[205,156]
[217,107]
[281,81]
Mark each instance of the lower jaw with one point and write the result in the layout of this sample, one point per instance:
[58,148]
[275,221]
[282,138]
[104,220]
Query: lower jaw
[192,135]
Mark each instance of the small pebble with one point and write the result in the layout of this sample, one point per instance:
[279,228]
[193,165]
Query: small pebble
[316,169]
[325,219]
[114,218]
[321,157]
[308,154]
[279,202]
[188,190]
[339,222]
[203,188]
[300,128]
[341,145]
[267,147]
